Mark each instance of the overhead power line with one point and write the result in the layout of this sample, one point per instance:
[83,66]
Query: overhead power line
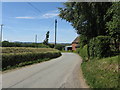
[34,7]
[49,27]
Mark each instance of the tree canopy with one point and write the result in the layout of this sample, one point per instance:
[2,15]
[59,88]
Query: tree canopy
[93,19]
[87,18]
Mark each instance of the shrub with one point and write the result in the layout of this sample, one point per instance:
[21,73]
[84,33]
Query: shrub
[100,47]
[15,56]
[83,41]
[59,47]
[51,45]
[83,52]
[13,59]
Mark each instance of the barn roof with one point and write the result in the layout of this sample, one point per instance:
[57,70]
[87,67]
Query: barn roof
[77,39]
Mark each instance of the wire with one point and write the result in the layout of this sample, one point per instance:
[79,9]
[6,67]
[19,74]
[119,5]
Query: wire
[34,7]
[49,27]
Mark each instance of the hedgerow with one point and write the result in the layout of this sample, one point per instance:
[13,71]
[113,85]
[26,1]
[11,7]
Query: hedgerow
[15,59]
[100,47]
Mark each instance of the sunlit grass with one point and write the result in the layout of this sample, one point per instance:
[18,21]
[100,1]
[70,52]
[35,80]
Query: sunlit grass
[102,73]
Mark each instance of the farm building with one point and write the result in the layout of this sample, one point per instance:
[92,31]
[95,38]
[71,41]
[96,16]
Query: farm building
[67,48]
[75,43]
[74,46]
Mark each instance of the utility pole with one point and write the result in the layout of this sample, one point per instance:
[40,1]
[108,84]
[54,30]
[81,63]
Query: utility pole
[36,38]
[55,31]
[1,32]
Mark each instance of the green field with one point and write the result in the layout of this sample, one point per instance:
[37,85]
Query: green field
[13,57]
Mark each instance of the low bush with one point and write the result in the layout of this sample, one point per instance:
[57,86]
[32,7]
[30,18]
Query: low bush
[83,52]
[59,47]
[83,41]
[102,73]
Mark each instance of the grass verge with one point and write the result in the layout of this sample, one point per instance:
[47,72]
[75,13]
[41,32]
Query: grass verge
[102,73]
[83,52]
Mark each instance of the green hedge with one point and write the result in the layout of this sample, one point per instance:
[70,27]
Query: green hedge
[12,59]
[21,44]
[100,47]
[83,52]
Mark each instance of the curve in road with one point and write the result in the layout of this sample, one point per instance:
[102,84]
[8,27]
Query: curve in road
[62,72]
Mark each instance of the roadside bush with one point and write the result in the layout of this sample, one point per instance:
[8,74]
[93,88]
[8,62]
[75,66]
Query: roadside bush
[51,45]
[13,59]
[15,56]
[100,47]
[83,41]
[59,47]
[83,52]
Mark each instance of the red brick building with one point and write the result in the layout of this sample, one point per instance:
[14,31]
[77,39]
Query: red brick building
[75,43]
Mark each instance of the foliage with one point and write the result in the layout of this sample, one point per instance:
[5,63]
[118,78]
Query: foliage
[46,39]
[87,18]
[83,53]
[19,44]
[19,56]
[59,47]
[83,41]
[102,73]
[51,45]
[113,25]
[100,47]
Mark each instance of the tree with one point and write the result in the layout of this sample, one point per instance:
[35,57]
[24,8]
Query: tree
[46,39]
[87,18]
[113,25]
[5,43]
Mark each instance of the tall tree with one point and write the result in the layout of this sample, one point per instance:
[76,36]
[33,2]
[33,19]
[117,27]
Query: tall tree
[114,24]
[46,39]
[87,18]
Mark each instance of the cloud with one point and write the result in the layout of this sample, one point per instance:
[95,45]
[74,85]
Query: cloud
[25,17]
[49,15]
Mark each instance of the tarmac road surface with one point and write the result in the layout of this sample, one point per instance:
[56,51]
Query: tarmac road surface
[62,72]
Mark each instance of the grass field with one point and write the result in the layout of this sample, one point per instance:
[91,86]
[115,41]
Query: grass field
[25,49]
[102,73]
[13,57]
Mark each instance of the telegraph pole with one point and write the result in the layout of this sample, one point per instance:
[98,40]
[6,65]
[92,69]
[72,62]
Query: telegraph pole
[55,31]
[36,38]
[1,32]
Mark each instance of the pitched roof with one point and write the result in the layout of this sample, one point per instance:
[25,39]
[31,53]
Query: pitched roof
[77,39]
